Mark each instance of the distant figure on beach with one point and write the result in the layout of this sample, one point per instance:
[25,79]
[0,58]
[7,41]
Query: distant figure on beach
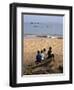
[50,54]
[42,55]
[38,57]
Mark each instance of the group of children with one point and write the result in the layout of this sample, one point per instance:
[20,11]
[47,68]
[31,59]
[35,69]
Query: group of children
[44,54]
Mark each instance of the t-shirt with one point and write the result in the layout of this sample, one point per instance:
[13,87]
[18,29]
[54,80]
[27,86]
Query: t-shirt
[42,56]
[38,57]
[45,54]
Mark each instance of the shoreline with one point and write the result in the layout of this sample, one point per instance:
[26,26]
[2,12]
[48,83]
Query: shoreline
[52,37]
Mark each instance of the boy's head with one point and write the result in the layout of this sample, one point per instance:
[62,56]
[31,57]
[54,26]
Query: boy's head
[44,49]
[38,51]
[41,51]
[50,48]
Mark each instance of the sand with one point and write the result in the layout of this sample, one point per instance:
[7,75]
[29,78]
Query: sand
[31,45]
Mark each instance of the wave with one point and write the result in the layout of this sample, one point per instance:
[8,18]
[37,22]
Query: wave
[43,36]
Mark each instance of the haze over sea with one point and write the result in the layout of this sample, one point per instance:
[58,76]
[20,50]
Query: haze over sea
[38,25]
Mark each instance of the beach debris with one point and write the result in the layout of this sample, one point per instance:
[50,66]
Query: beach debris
[43,67]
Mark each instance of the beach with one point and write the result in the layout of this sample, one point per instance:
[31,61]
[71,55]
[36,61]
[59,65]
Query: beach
[32,45]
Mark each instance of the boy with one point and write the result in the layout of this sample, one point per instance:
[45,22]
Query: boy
[38,57]
[49,53]
[42,55]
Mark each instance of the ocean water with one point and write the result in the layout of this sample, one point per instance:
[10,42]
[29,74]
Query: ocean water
[43,29]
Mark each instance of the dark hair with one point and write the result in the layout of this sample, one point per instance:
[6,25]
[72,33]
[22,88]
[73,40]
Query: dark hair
[50,48]
[38,51]
[44,49]
[41,51]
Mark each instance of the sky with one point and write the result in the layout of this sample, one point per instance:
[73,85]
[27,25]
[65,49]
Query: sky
[43,25]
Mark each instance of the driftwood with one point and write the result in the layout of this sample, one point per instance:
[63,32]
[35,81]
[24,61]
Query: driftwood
[44,62]
[30,68]
[44,67]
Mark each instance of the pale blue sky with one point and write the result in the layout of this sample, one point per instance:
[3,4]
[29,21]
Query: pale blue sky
[42,24]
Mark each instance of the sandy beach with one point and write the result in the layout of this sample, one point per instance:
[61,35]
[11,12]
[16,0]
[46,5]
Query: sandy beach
[31,45]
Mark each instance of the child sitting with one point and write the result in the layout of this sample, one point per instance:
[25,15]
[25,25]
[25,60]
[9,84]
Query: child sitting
[49,53]
[42,55]
[38,57]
